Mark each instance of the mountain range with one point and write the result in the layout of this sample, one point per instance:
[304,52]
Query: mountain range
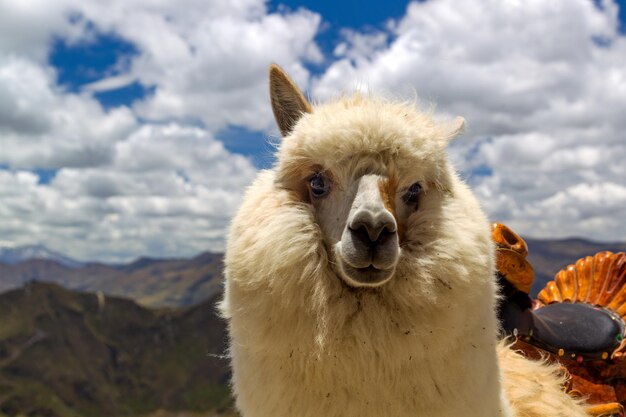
[149,281]
[13,255]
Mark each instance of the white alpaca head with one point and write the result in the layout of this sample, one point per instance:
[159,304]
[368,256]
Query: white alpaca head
[370,171]
[362,222]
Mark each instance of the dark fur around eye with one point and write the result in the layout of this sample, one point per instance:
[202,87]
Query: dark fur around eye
[411,197]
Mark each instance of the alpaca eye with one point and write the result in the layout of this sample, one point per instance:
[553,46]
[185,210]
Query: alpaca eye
[412,194]
[319,185]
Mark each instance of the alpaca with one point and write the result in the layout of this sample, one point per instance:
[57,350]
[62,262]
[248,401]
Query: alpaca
[360,275]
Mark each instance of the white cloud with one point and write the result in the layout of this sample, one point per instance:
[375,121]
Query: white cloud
[42,126]
[358,46]
[109,83]
[543,88]
[208,61]
[149,179]
[169,190]
[588,207]
[27,27]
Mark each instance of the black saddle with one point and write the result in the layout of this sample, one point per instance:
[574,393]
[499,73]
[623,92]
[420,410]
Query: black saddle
[576,331]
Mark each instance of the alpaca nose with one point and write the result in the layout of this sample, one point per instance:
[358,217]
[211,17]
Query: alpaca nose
[372,228]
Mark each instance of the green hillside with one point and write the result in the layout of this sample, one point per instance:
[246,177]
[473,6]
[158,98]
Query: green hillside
[66,354]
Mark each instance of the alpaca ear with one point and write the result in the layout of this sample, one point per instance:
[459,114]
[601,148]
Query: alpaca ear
[453,128]
[288,102]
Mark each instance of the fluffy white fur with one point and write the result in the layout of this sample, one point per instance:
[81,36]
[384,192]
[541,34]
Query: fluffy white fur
[303,343]
[536,388]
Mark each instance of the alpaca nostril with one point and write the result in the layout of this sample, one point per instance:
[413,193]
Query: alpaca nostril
[361,233]
[372,234]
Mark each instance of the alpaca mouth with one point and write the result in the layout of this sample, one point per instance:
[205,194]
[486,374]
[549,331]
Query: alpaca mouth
[369,276]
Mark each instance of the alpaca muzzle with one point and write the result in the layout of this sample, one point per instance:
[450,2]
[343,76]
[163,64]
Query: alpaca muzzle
[369,248]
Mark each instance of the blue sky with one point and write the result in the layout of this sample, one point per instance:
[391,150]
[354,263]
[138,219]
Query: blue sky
[78,64]
[132,129]
[85,62]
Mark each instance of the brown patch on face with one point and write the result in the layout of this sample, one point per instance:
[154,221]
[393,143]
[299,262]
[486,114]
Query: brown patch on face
[388,188]
[401,231]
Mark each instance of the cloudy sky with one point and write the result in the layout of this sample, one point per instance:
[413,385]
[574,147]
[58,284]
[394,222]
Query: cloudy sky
[131,127]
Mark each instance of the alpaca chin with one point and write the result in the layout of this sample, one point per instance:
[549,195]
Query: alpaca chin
[367,277]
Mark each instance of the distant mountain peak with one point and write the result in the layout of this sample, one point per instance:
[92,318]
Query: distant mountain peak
[16,254]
